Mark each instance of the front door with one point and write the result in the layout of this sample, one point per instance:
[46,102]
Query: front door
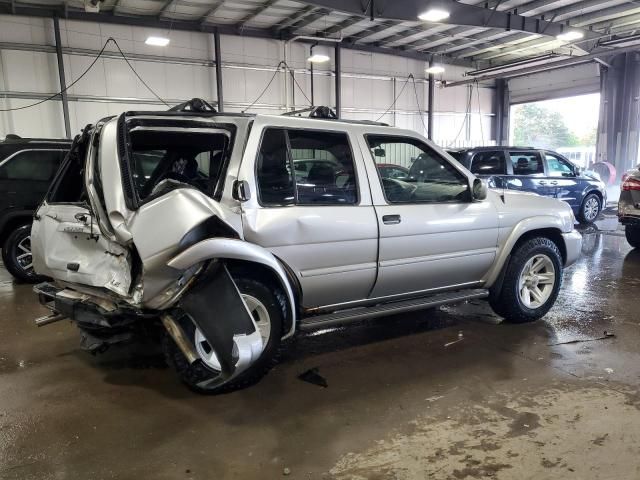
[310,206]
[563,180]
[432,235]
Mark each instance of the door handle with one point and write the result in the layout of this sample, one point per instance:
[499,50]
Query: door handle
[554,182]
[542,182]
[391,219]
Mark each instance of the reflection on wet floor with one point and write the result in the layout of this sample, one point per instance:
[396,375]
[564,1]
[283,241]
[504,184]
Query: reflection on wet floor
[66,414]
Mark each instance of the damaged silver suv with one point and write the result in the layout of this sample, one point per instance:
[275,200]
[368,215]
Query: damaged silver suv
[227,233]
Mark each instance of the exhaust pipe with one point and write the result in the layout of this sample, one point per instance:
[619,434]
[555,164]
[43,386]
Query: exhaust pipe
[179,337]
[47,319]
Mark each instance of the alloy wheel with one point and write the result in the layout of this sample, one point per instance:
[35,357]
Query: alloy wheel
[536,281]
[260,315]
[24,258]
[591,209]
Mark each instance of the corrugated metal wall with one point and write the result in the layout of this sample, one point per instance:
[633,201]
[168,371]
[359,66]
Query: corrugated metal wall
[185,70]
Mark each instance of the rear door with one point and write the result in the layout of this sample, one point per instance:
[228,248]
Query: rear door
[319,222]
[528,172]
[563,179]
[490,165]
[26,174]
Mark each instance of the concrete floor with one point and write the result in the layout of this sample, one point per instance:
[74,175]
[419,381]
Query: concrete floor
[446,394]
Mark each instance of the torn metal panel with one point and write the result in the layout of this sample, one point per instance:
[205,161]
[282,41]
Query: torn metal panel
[220,314]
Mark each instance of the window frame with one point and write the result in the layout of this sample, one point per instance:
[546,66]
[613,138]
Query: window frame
[290,161]
[540,154]
[430,148]
[24,150]
[497,152]
[574,167]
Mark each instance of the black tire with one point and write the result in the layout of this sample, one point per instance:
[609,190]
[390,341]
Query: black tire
[193,375]
[12,248]
[587,215]
[632,232]
[507,301]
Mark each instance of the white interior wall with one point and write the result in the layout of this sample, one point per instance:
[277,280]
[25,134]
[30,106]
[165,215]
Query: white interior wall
[185,70]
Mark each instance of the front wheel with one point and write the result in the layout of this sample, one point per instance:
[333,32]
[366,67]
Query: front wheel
[531,282]
[632,232]
[268,308]
[16,255]
[590,209]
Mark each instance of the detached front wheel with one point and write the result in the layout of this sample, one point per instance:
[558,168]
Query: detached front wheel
[531,282]
[268,308]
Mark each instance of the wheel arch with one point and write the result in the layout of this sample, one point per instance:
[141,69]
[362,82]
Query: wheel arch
[12,221]
[247,258]
[547,227]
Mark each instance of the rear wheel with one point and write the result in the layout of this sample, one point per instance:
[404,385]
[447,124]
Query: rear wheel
[632,233]
[531,282]
[590,209]
[17,257]
[268,308]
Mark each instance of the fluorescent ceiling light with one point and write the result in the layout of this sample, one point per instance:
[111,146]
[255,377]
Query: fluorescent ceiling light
[570,36]
[157,41]
[434,15]
[435,70]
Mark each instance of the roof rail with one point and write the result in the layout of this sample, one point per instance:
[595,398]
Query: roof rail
[314,112]
[194,105]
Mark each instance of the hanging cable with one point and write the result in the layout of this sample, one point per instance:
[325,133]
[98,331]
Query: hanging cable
[395,99]
[58,94]
[275,72]
[136,73]
[464,120]
[292,72]
[415,92]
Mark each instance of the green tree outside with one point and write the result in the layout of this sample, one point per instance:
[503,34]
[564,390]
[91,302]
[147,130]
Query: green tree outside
[539,127]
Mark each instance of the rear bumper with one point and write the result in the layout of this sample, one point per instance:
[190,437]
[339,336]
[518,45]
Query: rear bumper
[573,246]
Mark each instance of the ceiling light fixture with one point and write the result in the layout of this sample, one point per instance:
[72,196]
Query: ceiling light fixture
[157,41]
[570,36]
[434,15]
[318,54]
[435,70]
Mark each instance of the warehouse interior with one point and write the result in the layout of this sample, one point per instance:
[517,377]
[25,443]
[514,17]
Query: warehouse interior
[450,391]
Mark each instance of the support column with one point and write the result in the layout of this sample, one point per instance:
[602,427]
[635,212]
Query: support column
[338,71]
[619,121]
[430,105]
[501,108]
[63,82]
[216,46]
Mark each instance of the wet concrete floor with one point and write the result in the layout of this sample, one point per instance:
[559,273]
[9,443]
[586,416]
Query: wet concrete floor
[443,394]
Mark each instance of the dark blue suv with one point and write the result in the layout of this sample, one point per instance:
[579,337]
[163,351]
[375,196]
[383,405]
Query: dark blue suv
[540,171]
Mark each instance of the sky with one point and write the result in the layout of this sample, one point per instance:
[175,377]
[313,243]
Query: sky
[580,113]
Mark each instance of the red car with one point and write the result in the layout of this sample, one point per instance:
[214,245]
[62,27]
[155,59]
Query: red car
[390,170]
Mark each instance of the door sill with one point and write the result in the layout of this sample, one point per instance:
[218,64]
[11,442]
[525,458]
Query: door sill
[355,314]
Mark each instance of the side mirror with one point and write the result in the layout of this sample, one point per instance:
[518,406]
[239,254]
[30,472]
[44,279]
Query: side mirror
[479,190]
[240,191]
[380,152]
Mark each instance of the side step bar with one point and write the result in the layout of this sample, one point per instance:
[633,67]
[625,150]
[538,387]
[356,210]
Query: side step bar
[355,314]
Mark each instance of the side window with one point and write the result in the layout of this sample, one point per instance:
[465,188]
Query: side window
[306,167]
[488,163]
[275,181]
[558,167]
[527,163]
[431,178]
[38,165]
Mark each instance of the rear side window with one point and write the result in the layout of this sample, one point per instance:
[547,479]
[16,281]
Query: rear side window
[305,167]
[527,163]
[559,167]
[38,165]
[488,163]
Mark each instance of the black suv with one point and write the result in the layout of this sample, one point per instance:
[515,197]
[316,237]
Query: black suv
[539,171]
[27,166]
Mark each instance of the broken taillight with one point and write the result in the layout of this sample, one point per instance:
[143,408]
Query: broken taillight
[630,183]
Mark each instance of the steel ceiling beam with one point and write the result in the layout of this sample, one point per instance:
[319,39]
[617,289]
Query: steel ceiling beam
[303,12]
[342,25]
[255,12]
[460,14]
[306,20]
[203,19]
